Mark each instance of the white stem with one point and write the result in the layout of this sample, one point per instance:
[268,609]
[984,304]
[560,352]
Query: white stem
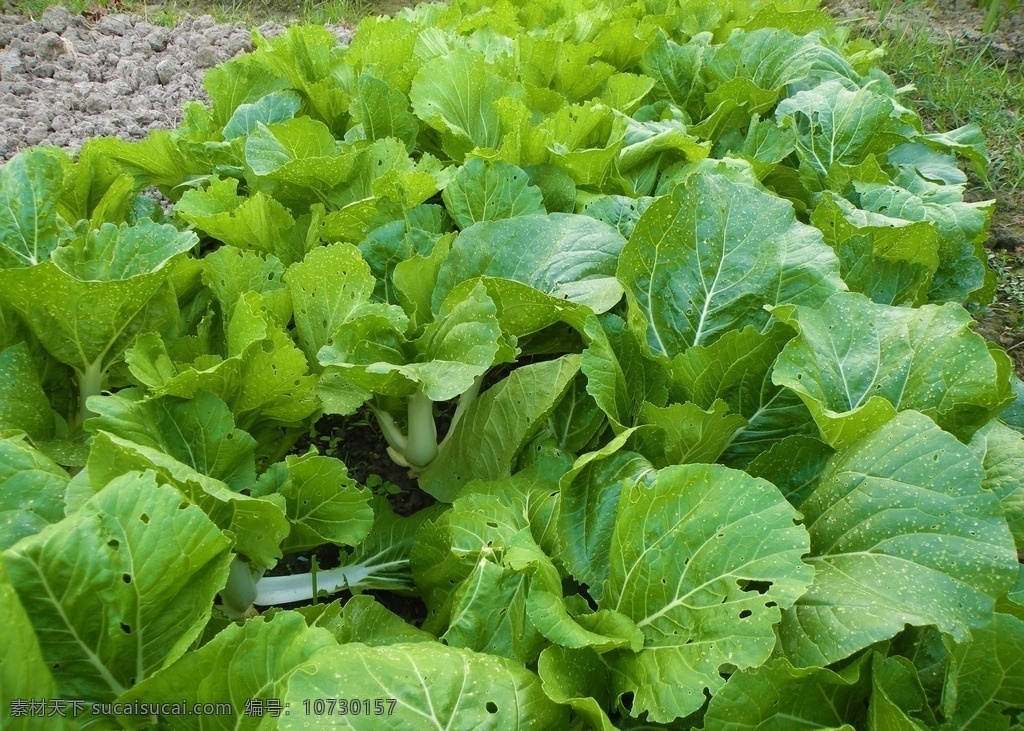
[276,590]
[422,446]
[90,383]
[394,436]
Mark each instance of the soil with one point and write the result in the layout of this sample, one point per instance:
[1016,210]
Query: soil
[66,78]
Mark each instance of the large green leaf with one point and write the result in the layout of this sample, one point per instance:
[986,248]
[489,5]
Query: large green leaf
[432,685]
[482,191]
[488,438]
[569,257]
[710,256]
[198,432]
[30,186]
[771,59]
[23,402]
[382,111]
[588,505]
[258,525]
[703,561]
[31,491]
[1001,451]
[323,504]
[121,587]
[327,288]
[243,663]
[837,125]
[24,674]
[989,678]
[780,697]
[856,363]
[902,532]
[737,368]
[90,300]
[456,94]
[620,376]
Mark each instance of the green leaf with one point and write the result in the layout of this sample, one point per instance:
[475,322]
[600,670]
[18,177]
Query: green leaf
[121,587]
[327,289]
[897,697]
[30,186]
[588,505]
[24,674]
[619,374]
[363,619]
[771,59]
[793,465]
[324,504]
[856,363]
[258,526]
[243,663]
[277,106]
[444,687]
[585,140]
[230,273]
[486,441]
[570,257]
[31,491]
[198,432]
[90,300]
[737,368]
[579,679]
[380,111]
[256,222]
[261,375]
[888,259]
[693,434]
[460,345]
[298,162]
[703,561]
[902,532]
[455,94]
[23,402]
[1001,451]
[989,673]
[835,125]
[708,257]
[779,697]
[483,191]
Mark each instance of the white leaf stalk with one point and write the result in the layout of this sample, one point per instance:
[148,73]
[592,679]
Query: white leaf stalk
[247,588]
[419,447]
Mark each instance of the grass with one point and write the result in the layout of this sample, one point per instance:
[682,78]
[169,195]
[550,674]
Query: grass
[956,83]
[250,12]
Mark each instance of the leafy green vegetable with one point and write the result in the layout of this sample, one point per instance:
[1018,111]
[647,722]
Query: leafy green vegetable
[662,311]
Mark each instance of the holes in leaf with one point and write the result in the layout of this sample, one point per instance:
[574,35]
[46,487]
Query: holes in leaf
[126,578]
[491,707]
[491,524]
[114,543]
[664,581]
[229,436]
[626,699]
[745,613]
[125,628]
[761,587]
[144,518]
